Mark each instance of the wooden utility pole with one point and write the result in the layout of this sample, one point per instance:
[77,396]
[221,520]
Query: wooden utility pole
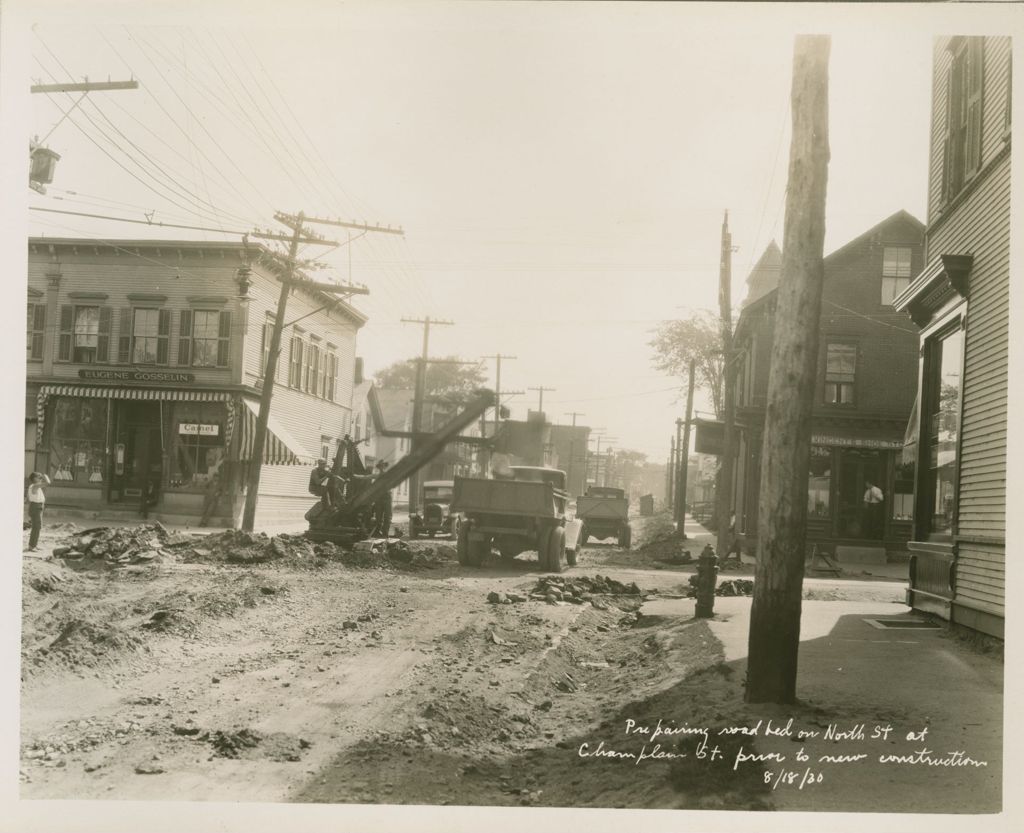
[497,386]
[418,397]
[540,390]
[288,283]
[723,493]
[684,461]
[774,639]
[670,479]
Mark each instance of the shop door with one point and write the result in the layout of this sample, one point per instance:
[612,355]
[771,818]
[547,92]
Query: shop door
[138,456]
[856,469]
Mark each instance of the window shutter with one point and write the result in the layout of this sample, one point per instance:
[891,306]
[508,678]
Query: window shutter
[975,71]
[124,337]
[67,323]
[265,351]
[163,334]
[185,338]
[38,326]
[103,338]
[947,142]
[295,371]
[223,338]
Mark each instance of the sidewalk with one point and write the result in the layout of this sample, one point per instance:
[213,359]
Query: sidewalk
[853,672]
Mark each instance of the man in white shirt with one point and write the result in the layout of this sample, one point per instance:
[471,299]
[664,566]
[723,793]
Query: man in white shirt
[36,503]
[873,501]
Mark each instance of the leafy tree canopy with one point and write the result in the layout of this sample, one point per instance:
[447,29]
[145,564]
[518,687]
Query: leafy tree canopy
[454,381]
[698,338]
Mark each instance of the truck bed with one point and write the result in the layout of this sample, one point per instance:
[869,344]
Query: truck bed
[601,508]
[480,495]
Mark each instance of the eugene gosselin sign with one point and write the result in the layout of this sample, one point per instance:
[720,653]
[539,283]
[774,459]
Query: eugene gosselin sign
[137,375]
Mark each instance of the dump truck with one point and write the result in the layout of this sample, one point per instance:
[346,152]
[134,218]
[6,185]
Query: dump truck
[604,512]
[515,514]
[346,512]
[434,516]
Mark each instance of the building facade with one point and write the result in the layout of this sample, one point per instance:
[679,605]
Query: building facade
[144,366]
[960,300]
[864,394]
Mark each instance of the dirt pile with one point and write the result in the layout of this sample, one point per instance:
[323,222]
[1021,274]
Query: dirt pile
[667,547]
[581,588]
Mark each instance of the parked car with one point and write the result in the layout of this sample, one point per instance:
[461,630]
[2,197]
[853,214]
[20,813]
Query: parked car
[434,516]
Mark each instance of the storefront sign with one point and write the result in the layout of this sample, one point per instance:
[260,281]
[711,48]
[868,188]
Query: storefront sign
[854,442]
[136,375]
[195,429]
[710,437]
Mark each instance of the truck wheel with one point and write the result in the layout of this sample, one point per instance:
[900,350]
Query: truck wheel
[462,545]
[570,557]
[625,537]
[556,550]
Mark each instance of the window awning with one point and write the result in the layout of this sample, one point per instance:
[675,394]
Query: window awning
[149,394]
[280,447]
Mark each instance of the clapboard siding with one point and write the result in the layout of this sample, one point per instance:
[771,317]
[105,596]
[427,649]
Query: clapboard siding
[307,417]
[177,275]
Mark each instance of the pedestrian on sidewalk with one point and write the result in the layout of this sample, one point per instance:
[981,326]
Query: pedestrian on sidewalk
[873,500]
[36,504]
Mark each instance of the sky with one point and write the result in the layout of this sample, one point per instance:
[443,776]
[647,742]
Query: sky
[561,172]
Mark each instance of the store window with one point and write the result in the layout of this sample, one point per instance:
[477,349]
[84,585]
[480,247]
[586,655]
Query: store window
[903,487]
[35,329]
[943,363]
[819,484]
[78,441]
[895,272]
[840,373]
[150,335]
[197,443]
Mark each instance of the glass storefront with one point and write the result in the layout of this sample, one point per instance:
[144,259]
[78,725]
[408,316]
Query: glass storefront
[197,443]
[819,484]
[77,441]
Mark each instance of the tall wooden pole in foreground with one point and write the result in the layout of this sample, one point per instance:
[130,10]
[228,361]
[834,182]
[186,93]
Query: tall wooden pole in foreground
[774,639]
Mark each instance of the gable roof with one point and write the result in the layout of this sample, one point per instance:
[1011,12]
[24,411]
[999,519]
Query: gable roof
[764,277]
[394,406]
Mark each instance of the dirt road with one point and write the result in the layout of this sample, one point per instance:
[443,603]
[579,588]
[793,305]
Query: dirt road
[309,679]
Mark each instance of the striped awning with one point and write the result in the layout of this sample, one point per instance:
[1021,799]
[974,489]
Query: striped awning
[279,449]
[150,394]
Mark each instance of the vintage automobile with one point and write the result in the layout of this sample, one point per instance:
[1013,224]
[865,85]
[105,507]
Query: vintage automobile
[434,516]
[604,511]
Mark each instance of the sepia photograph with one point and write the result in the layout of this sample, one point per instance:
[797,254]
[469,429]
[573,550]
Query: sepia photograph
[441,415]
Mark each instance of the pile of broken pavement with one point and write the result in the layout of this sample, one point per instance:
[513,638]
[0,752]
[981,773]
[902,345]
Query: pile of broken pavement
[153,542]
[575,590]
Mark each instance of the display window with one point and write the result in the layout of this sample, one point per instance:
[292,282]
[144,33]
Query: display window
[197,444]
[77,448]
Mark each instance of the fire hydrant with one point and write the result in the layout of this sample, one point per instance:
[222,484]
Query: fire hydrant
[707,578]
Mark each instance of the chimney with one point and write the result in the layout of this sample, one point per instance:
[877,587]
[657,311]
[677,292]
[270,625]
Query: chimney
[358,371]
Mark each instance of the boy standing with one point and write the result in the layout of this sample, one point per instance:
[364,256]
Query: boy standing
[36,503]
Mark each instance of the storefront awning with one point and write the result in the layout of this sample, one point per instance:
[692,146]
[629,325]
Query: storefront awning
[147,394]
[280,448]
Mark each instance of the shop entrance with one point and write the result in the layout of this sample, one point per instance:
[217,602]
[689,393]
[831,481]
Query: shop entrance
[857,467]
[138,454]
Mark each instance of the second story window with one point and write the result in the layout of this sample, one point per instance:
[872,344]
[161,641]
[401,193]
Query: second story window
[204,338]
[962,142]
[35,330]
[150,335]
[330,380]
[840,373]
[295,364]
[895,272]
[84,334]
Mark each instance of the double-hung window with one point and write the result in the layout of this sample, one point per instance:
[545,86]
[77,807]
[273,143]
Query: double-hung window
[962,143]
[895,272]
[840,373]
[150,335]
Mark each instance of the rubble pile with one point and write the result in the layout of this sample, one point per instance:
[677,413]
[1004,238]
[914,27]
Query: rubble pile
[234,546]
[121,546]
[666,547]
[727,587]
[385,554]
[575,590]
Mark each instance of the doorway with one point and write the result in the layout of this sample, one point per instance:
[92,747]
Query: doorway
[138,454]
[857,467]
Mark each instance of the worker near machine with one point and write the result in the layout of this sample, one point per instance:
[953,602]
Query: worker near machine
[382,507]
[319,480]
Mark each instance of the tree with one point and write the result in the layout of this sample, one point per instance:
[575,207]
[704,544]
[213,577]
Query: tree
[698,338]
[444,379]
[774,640]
